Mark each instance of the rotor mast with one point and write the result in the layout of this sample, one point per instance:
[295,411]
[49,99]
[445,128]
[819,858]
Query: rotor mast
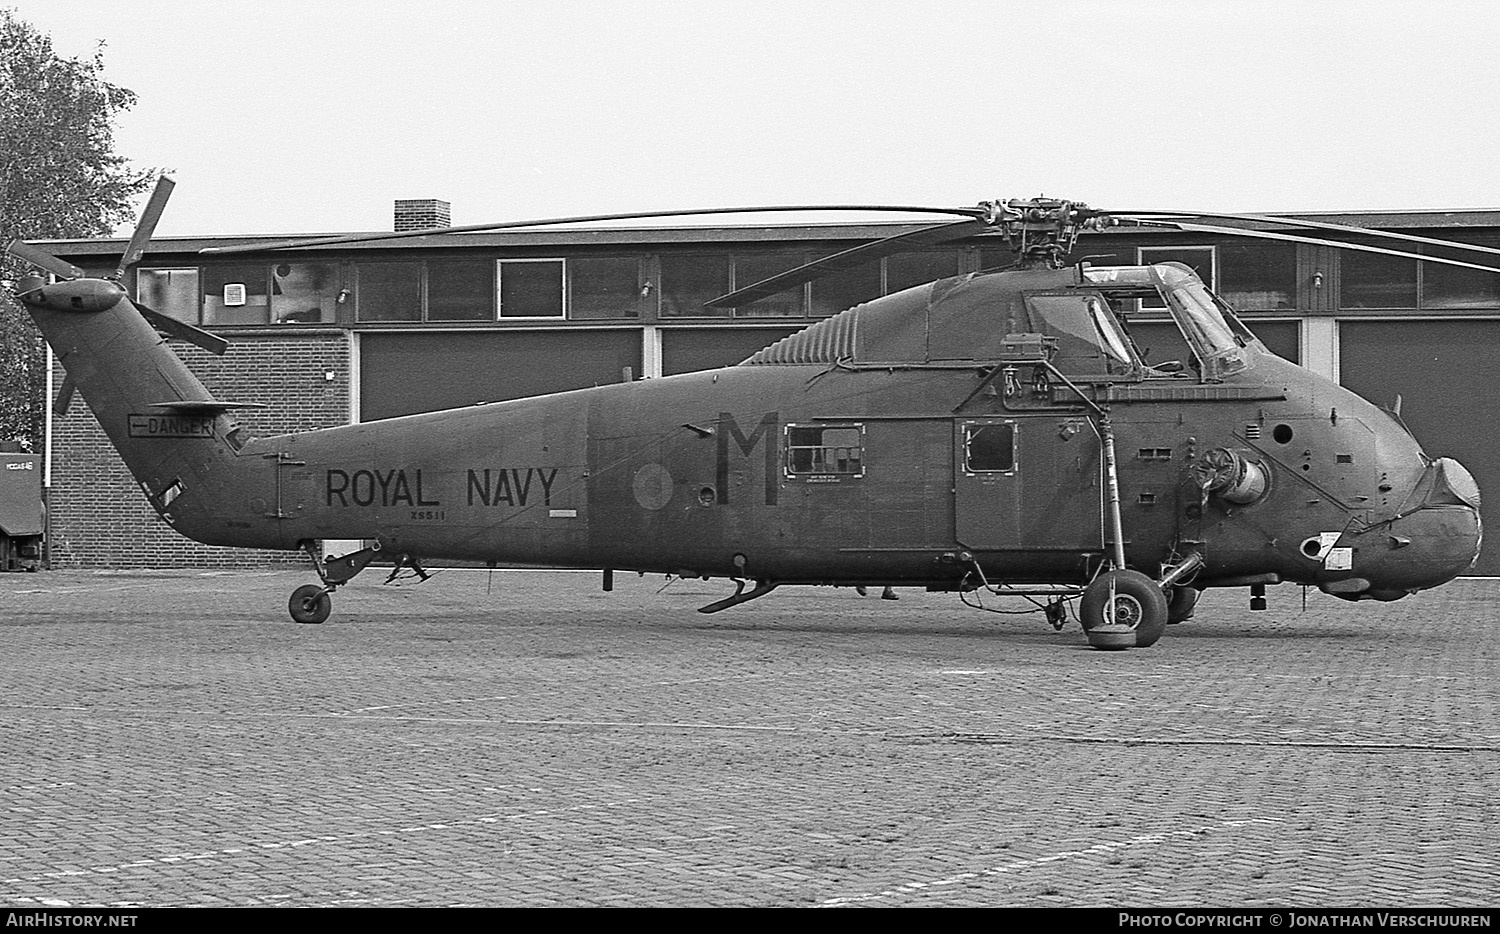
[1042,231]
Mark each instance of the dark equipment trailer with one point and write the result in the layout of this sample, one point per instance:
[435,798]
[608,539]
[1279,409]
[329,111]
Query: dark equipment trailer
[20,512]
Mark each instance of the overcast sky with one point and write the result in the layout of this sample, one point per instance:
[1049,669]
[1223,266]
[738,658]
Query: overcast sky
[301,116]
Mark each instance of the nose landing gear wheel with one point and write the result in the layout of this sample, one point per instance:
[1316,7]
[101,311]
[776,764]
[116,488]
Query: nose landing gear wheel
[1136,617]
[310,604]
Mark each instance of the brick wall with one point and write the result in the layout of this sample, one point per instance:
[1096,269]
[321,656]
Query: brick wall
[97,514]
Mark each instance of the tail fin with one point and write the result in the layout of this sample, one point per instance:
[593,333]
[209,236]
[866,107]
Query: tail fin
[177,440]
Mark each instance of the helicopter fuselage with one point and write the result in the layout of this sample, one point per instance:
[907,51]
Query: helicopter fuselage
[948,435]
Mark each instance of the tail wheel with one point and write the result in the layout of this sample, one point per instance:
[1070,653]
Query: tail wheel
[1180,607]
[1137,615]
[310,604]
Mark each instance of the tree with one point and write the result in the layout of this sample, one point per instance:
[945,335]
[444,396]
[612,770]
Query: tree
[59,178]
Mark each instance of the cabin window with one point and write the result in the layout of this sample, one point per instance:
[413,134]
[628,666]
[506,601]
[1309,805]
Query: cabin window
[825,451]
[990,448]
[531,288]
[1200,259]
[173,292]
[304,293]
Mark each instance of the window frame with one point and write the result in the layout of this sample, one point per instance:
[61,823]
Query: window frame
[196,292]
[972,428]
[500,262]
[821,476]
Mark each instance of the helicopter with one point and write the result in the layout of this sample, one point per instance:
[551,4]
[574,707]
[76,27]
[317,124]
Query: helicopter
[995,432]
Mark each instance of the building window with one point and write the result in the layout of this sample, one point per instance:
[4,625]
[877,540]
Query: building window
[1454,287]
[1258,275]
[690,279]
[604,287]
[173,292]
[235,295]
[389,291]
[531,288]
[905,270]
[752,268]
[990,448]
[836,291]
[460,290]
[825,451]
[1376,280]
[304,293]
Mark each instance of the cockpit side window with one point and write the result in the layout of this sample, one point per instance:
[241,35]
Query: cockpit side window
[1090,339]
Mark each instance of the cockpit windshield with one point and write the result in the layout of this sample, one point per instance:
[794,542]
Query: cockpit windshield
[1200,316]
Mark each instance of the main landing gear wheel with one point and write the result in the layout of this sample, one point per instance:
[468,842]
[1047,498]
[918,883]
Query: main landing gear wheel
[1180,606]
[310,604]
[1137,617]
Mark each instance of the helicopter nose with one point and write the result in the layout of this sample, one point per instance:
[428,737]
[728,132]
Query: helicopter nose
[1435,537]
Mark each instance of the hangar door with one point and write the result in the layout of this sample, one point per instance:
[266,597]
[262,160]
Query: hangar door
[1448,376]
[403,374]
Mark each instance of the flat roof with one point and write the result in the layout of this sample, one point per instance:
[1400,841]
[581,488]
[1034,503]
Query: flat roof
[571,236]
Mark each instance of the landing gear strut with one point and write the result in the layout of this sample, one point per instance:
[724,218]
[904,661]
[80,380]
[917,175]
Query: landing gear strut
[311,603]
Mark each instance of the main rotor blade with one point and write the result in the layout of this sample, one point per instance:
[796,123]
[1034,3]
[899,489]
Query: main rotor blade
[40,258]
[864,253]
[586,219]
[141,238]
[1291,221]
[1315,241]
[183,331]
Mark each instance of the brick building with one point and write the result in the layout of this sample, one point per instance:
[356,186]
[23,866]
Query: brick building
[327,335]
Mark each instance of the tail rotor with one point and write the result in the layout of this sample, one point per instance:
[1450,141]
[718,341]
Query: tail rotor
[76,291]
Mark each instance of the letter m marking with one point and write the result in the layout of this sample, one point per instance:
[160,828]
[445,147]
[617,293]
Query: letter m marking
[769,431]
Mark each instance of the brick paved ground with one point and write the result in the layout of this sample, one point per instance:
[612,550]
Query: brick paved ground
[173,739]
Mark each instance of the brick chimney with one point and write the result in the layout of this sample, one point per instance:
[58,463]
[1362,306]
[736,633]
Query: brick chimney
[421,213]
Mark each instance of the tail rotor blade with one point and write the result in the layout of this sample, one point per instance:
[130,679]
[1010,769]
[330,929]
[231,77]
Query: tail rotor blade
[40,258]
[64,396]
[183,331]
[143,230]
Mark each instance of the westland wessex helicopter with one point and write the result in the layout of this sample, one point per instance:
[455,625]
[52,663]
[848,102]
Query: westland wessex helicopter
[998,431]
